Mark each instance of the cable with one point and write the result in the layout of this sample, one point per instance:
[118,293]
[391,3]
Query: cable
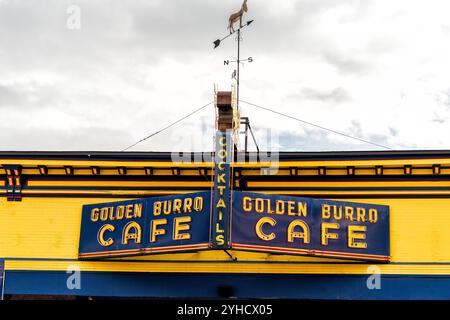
[315,125]
[168,126]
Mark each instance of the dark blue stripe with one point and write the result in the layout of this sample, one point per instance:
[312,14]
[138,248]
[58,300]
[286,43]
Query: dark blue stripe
[167,156]
[347,188]
[347,178]
[115,188]
[249,189]
[88,195]
[316,196]
[117,177]
[241,285]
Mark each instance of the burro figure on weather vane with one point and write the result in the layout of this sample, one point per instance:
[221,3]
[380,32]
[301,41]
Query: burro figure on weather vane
[235,17]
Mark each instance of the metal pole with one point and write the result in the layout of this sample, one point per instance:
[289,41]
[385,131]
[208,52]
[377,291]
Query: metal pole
[253,136]
[238,58]
[246,134]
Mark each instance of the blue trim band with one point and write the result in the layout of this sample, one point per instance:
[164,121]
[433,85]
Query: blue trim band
[226,261]
[242,286]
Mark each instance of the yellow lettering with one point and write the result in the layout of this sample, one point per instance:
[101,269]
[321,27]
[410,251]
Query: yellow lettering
[361,214]
[259,205]
[138,210]
[326,235]
[222,154]
[111,213]
[136,235]
[157,208]
[220,240]
[291,208]
[129,211]
[221,204]
[302,235]
[302,209]
[120,212]
[326,212]
[154,229]
[373,215]
[260,233]
[218,230]
[104,214]
[269,207]
[337,213]
[177,205]
[221,189]
[247,204]
[167,206]
[178,225]
[279,207]
[187,205]
[94,214]
[221,178]
[353,235]
[198,204]
[349,211]
[100,236]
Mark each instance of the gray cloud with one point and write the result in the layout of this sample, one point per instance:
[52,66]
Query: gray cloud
[75,138]
[317,140]
[117,78]
[393,131]
[337,95]
[346,64]
[10,96]
[439,120]
[26,95]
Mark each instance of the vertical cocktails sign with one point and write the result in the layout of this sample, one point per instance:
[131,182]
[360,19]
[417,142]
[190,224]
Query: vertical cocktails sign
[221,201]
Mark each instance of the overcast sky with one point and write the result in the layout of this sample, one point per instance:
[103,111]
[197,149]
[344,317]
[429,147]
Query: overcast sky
[377,70]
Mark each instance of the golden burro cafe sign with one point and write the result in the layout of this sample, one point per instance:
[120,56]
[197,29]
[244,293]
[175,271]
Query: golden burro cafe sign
[225,219]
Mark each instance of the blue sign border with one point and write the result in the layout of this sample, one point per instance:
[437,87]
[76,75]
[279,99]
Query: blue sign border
[102,238]
[273,230]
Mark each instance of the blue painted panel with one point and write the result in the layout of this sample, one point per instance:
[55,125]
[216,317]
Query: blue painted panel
[241,286]
[368,223]
[129,227]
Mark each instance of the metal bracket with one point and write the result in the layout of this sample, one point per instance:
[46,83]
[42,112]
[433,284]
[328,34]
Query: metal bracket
[229,254]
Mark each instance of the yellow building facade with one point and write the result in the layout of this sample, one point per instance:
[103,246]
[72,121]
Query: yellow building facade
[42,194]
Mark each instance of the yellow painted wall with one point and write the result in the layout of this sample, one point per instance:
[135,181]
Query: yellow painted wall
[49,228]
[37,232]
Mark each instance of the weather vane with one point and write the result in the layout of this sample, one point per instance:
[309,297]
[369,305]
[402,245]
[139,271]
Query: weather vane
[235,17]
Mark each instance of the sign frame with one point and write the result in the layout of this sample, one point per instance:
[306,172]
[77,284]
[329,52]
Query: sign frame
[243,240]
[110,235]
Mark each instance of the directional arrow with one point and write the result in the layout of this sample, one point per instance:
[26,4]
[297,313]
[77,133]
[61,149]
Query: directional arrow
[249,59]
[218,41]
